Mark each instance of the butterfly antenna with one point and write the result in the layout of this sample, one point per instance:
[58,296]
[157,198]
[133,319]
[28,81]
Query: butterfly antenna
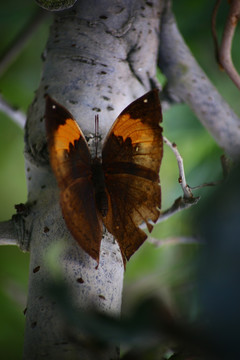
[96,133]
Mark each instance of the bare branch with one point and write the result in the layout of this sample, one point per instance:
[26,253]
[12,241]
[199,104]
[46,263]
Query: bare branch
[174,241]
[21,40]
[226,166]
[213,183]
[168,99]
[16,115]
[178,205]
[8,233]
[56,5]
[182,179]
[225,57]
[187,200]
[213,28]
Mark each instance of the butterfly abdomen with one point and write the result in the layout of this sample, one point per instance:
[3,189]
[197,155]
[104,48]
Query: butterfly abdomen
[99,186]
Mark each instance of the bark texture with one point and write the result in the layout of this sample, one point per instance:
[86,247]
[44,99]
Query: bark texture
[100,56]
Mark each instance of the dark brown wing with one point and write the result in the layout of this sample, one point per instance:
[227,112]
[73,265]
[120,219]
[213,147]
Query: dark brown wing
[132,155]
[81,217]
[71,163]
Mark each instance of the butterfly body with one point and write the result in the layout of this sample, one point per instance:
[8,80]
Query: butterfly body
[99,186]
[119,189]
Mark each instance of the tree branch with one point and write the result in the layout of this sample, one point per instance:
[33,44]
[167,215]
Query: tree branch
[179,204]
[14,49]
[16,115]
[56,5]
[174,241]
[8,233]
[187,81]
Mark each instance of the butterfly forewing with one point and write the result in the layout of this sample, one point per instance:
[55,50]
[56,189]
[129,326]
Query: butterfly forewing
[136,136]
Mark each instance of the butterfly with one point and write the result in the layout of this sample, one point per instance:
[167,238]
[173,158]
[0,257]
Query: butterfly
[120,189]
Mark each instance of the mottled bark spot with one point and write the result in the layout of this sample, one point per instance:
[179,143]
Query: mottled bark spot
[36,269]
[33,324]
[106,98]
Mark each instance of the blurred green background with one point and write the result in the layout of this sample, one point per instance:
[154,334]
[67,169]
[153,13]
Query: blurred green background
[168,269]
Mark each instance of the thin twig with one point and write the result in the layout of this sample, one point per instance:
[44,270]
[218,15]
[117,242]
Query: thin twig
[182,202]
[225,54]
[214,32]
[207,184]
[8,233]
[182,179]
[14,49]
[16,115]
[188,199]
[174,241]
[179,204]
[226,166]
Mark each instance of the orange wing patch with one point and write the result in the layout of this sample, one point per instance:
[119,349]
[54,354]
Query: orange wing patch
[66,135]
[68,150]
[136,136]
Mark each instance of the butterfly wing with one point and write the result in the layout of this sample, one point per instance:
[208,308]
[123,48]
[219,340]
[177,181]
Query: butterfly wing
[71,163]
[132,155]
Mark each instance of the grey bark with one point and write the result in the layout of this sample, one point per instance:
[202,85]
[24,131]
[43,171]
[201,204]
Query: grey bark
[99,57]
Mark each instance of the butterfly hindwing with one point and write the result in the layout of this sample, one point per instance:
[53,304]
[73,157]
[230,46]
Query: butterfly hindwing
[132,203]
[82,219]
[132,155]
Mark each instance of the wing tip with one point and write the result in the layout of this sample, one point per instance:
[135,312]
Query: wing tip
[55,114]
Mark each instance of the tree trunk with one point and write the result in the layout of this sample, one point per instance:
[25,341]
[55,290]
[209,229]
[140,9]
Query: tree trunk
[100,56]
